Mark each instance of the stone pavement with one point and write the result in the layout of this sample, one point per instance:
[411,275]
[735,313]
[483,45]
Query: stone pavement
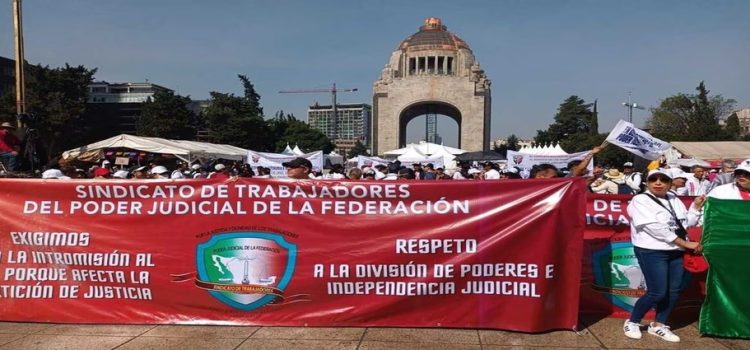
[603,334]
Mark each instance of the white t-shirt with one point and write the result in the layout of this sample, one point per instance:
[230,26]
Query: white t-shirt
[652,226]
[458,176]
[728,191]
[696,187]
[492,174]
[177,174]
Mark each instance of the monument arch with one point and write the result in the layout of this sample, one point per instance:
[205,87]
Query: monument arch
[431,68]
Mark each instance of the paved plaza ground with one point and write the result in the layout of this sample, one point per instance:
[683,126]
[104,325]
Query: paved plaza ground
[599,333]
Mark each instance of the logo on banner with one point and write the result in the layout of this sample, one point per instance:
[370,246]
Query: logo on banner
[518,158]
[617,275]
[255,158]
[245,270]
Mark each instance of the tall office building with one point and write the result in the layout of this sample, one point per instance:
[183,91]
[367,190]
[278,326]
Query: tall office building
[118,104]
[352,124]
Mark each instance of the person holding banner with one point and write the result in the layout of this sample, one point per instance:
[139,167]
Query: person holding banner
[739,189]
[658,232]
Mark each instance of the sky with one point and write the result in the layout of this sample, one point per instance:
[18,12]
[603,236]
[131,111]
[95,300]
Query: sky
[536,53]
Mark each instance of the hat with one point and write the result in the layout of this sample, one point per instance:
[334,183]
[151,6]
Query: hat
[628,165]
[379,176]
[219,167]
[121,174]
[297,162]
[473,171]
[744,165]
[159,169]
[659,171]
[195,166]
[105,162]
[52,174]
[140,168]
[7,125]
[676,173]
[103,172]
[614,174]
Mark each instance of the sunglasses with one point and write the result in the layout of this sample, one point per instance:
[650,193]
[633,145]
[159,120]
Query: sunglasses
[663,179]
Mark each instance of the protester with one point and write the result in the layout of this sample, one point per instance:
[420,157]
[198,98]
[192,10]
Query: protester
[632,178]
[475,174]
[490,173]
[679,178]
[102,173]
[54,174]
[429,172]
[10,145]
[441,175]
[612,182]
[463,172]
[178,173]
[726,175]
[120,174]
[697,185]
[739,189]
[657,231]
[298,168]
[354,174]
[544,171]
[140,173]
[220,172]
[159,172]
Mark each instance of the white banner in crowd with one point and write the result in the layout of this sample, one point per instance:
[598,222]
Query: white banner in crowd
[436,161]
[363,161]
[636,141]
[273,161]
[526,161]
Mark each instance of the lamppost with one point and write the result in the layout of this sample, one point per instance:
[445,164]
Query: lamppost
[630,106]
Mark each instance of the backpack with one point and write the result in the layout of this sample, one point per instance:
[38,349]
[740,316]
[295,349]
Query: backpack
[623,188]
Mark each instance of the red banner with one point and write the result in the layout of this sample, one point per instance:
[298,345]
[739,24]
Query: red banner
[611,280]
[470,254]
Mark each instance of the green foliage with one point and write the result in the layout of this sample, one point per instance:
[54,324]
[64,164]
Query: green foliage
[238,120]
[57,97]
[684,117]
[511,144]
[358,150]
[574,127]
[166,116]
[733,127]
[307,138]
[232,120]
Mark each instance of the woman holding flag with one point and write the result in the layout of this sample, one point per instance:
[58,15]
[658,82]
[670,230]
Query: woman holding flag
[658,232]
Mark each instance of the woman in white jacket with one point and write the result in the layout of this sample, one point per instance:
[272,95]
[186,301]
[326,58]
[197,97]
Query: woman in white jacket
[657,231]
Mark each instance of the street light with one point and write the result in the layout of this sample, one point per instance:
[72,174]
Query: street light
[630,106]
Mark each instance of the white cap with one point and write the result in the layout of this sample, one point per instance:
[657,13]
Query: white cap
[473,171]
[627,165]
[120,174]
[659,171]
[379,175]
[676,173]
[105,162]
[159,169]
[219,167]
[52,174]
[195,166]
[744,165]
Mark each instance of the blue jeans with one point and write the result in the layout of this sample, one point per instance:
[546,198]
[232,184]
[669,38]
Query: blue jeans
[9,160]
[664,276]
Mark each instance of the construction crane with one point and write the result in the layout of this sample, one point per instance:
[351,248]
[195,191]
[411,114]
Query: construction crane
[333,91]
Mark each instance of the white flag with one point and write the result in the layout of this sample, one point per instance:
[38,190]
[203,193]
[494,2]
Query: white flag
[637,141]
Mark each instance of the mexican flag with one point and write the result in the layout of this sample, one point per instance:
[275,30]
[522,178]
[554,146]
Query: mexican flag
[726,246]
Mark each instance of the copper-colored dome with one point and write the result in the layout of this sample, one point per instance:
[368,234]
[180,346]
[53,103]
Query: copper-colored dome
[433,35]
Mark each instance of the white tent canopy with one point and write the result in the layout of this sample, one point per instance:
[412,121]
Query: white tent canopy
[546,150]
[287,150]
[412,154]
[425,148]
[297,151]
[713,150]
[188,151]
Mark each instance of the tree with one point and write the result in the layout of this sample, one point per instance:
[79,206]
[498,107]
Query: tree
[511,144]
[358,150]
[691,117]
[733,129]
[307,138]
[166,116]
[574,126]
[239,120]
[56,99]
